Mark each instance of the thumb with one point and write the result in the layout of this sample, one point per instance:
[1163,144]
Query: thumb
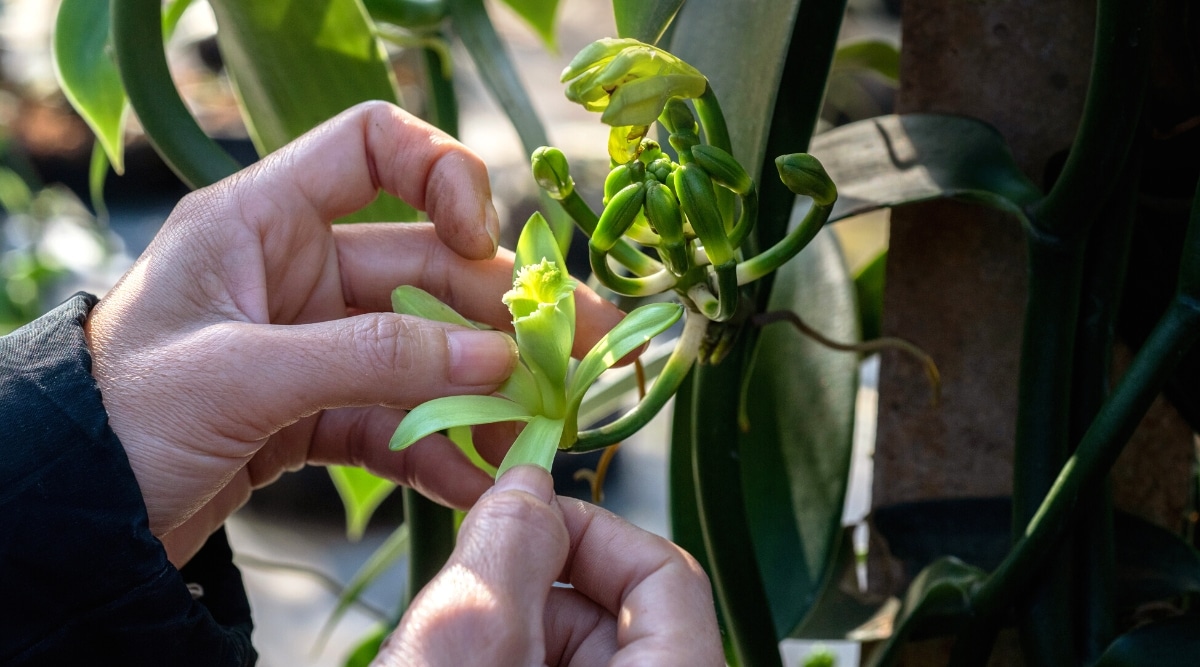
[486,605]
[368,359]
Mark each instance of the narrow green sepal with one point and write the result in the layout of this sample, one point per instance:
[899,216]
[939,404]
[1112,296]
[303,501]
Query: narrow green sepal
[442,413]
[536,445]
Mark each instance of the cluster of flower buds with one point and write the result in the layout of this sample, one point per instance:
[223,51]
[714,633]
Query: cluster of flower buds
[694,210]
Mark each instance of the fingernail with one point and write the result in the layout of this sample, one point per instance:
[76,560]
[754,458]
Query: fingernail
[491,222]
[480,357]
[530,479]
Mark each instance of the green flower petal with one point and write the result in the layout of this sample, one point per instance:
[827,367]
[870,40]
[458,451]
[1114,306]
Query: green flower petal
[442,413]
[522,388]
[637,328]
[536,444]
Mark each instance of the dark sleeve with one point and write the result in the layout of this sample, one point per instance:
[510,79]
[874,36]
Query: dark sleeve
[82,580]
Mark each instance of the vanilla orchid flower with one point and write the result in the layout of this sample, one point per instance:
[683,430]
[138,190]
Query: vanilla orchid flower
[543,391]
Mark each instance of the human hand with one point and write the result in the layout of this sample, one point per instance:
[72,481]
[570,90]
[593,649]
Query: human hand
[253,337]
[636,599]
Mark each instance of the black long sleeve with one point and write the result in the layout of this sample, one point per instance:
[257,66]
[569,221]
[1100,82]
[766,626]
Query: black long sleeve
[82,580]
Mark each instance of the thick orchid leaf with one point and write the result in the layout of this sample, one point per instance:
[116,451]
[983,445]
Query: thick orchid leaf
[536,445]
[644,20]
[295,65]
[629,334]
[894,160]
[88,75]
[409,300]
[361,493]
[1170,642]
[385,556]
[796,454]
[442,413]
[540,15]
[937,601]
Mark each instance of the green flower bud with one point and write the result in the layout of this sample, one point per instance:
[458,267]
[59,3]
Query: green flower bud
[650,151]
[804,175]
[685,133]
[662,211]
[662,169]
[699,203]
[617,179]
[552,173]
[621,212]
[723,168]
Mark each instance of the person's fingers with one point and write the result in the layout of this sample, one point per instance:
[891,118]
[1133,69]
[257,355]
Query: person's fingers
[478,609]
[435,466]
[659,594]
[375,258]
[578,630]
[270,375]
[372,146]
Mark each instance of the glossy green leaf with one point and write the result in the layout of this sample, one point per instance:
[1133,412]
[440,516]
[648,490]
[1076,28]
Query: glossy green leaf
[295,64]
[88,75]
[410,300]
[937,601]
[796,455]
[361,493]
[644,20]
[536,444]
[629,334]
[1171,642]
[895,160]
[384,557]
[540,15]
[442,413]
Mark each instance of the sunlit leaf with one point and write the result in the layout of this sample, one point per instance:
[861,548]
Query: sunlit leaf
[294,66]
[88,75]
[540,15]
[644,20]
[893,160]
[871,55]
[536,445]
[361,494]
[796,454]
[443,413]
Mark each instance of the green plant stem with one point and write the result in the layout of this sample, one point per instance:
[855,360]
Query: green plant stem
[431,531]
[678,365]
[660,282]
[726,533]
[765,263]
[170,127]
[1175,333]
[1058,232]
[632,258]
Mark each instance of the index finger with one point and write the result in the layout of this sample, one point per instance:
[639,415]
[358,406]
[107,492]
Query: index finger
[660,596]
[341,165]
